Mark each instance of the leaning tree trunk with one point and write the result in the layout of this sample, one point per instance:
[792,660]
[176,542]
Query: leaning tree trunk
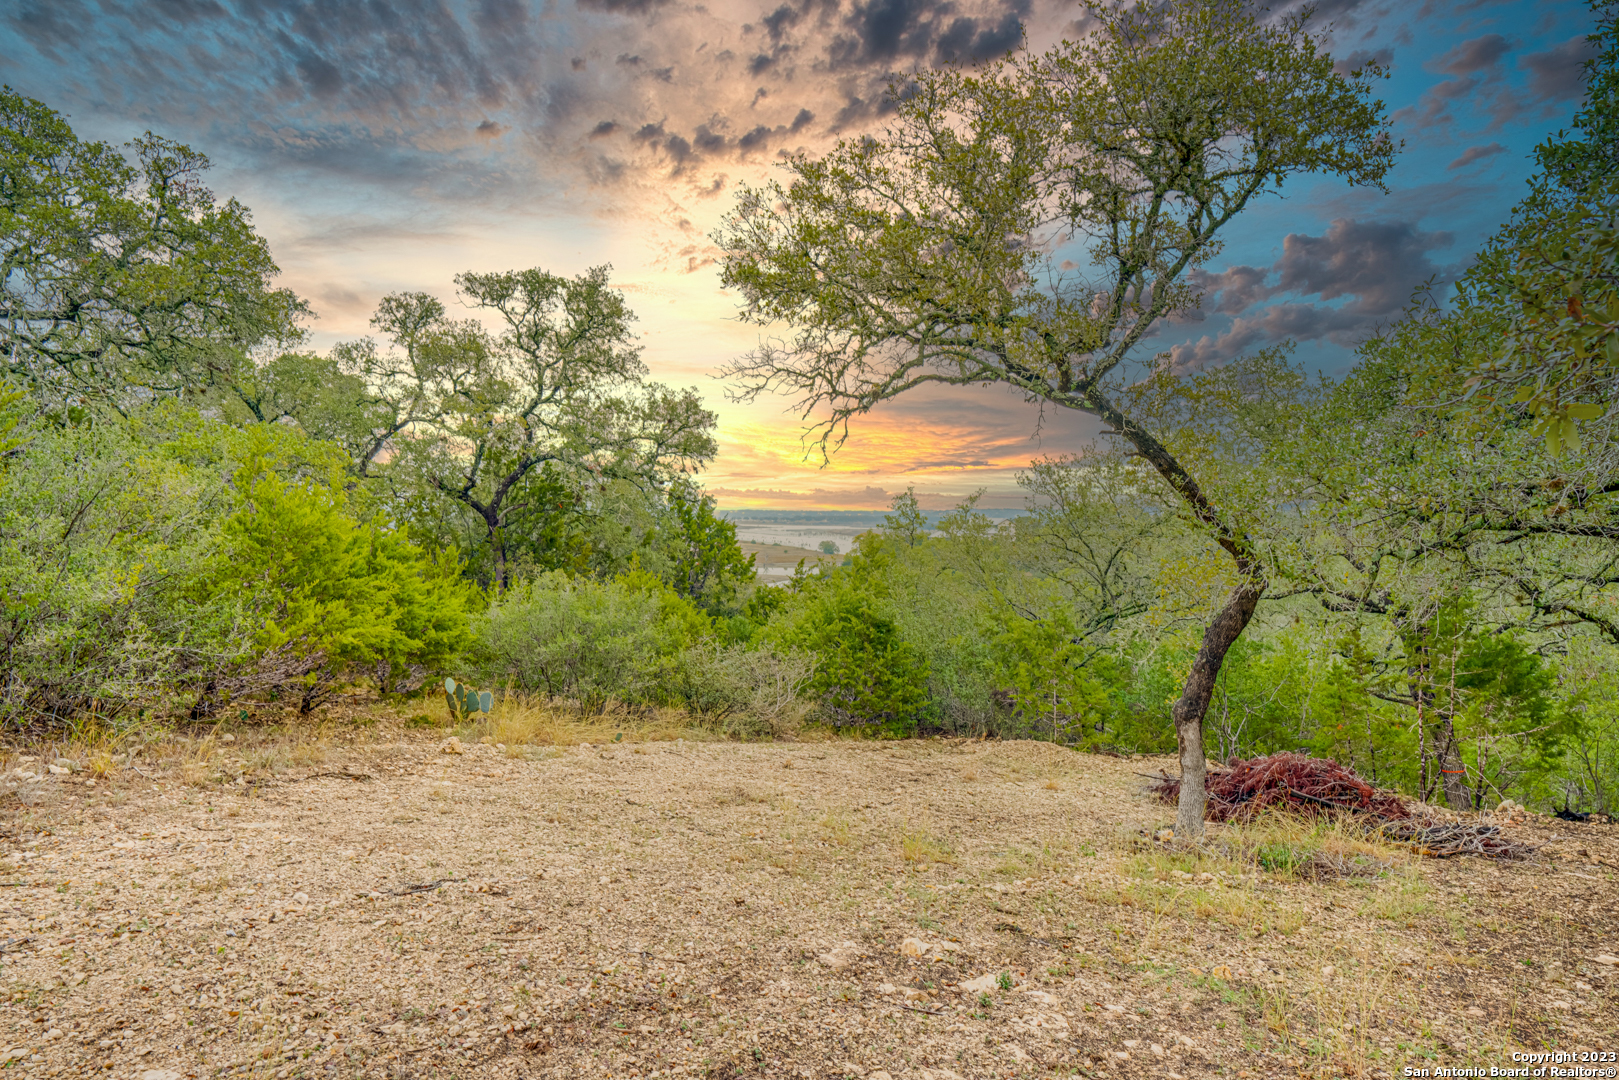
[1218,637]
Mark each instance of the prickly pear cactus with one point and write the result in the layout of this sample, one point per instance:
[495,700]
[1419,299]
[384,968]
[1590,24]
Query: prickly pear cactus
[464,701]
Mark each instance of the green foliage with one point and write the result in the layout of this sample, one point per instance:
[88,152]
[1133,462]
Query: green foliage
[587,641]
[1550,278]
[866,672]
[1591,157]
[1041,664]
[347,591]
[905,522]
[757,692]
[559,387]
[124,276]
[706,564]
[1558,289]
[13,410]
[111,542]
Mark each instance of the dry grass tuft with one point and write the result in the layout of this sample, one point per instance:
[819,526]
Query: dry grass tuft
[311,748]
[521,722]
[921,847]
[196,763]
[839,829]
[1317,848]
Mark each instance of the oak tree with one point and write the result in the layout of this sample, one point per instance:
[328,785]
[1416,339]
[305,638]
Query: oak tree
[931,253]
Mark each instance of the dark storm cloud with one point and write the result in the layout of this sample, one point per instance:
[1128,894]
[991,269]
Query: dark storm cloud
[50,24]
[319,72]
[416,95]
[1371,265]
[1233,291]
[1559,74]
[1480,81]
[320,75]
[1360,58]
[188,11]
[1479,54]
[624,7]
[1475,154]
[886,32]
[1374,262]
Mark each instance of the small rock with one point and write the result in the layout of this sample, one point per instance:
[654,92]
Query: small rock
[1473,1010]
[1157,1050]
[886,988]
[452,745]
[915,948]
[1220,971]
[1041,996]
[300,898]
[160,1074]
[57,770]
[841,957]
[227,738]
[1328,972]
[1606,958]
[984,984]
[1131,1044]
[916,995]
[878,1075]
[1114,1008]
[1562,1005]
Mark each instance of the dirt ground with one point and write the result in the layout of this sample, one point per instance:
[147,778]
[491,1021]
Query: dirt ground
[844,909]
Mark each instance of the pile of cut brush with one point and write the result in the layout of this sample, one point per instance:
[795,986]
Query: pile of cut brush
[1289,781]
[1312,786]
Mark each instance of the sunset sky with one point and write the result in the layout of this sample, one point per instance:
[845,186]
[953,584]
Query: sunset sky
[388,146]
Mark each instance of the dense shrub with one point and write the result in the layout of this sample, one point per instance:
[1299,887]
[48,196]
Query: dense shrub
[587,640]
[168,561]
[105,598]
[748,692]
[334,591]
[866,672]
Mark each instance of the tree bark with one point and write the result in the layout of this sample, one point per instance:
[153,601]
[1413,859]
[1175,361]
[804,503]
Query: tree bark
[1218,637]
[1451,770]
[497,546]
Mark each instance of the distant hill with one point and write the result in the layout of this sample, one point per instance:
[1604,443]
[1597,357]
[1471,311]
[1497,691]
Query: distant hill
[855,519]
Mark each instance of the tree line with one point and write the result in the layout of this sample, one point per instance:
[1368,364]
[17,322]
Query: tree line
[1410,566]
